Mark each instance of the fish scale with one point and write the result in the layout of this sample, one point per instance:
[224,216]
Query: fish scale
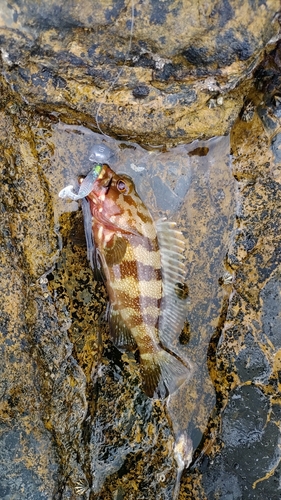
[125,241]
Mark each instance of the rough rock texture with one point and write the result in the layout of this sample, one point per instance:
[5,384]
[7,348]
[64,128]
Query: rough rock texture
[160,72]
[74,422]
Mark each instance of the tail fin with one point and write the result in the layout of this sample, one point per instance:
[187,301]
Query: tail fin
[163,373]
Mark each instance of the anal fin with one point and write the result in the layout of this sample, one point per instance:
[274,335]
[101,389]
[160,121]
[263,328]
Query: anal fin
[119,332]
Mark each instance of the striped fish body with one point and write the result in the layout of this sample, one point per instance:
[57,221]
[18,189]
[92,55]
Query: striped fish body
[125,240]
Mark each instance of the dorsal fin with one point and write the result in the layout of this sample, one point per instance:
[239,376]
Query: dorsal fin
[173,307]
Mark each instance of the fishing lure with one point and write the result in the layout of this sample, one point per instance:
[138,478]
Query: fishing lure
[142,265]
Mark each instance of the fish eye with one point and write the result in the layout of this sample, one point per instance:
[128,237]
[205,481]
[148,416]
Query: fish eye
[121,186]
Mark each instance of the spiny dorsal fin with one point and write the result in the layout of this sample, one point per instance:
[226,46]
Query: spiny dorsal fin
[115,253]
[120,334]
[173,304]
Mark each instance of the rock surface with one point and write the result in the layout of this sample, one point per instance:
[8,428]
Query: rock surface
[74,422]
[156,72]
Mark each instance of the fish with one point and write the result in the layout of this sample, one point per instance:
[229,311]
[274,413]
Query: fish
[142,265]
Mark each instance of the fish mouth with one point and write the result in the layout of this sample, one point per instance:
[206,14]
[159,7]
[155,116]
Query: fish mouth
[102,184]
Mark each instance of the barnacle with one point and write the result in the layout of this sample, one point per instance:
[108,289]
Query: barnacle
[226,279]
[81,486]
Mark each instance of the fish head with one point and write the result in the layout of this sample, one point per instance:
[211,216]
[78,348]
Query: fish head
[114,202]
[108,180]
[108,190]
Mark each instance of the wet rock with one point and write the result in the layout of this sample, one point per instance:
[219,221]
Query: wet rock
[29,469]
[137,70]
[247,356]
[141,91]
[78,369]
[276,147]
[244,417]
[251,363]
[242,471]
[74,420]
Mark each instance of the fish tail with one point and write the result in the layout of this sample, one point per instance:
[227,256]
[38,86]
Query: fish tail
[162,373]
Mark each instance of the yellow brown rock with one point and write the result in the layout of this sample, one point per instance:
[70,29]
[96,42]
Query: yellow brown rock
[74,421]
[87,64]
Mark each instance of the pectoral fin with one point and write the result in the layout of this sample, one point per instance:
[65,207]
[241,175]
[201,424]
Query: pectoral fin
[115,252]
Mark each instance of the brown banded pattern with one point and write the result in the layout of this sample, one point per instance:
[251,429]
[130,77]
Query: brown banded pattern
[126,241]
